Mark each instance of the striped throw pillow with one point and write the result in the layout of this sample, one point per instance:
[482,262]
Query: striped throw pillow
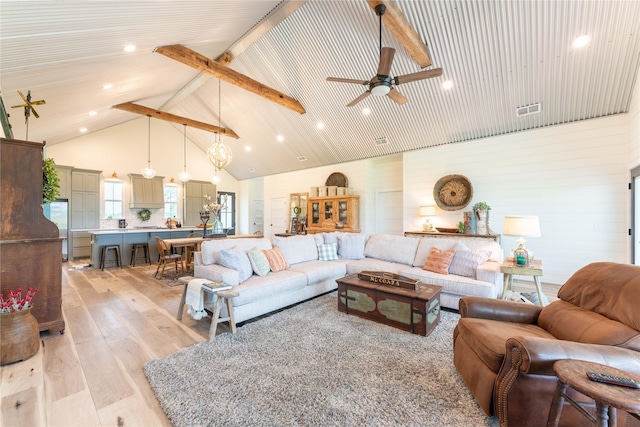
[276,259]
[438,260]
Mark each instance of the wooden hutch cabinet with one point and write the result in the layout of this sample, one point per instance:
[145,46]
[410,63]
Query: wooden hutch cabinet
[326,214]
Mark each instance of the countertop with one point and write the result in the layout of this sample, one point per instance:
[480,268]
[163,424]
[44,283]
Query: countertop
[143,230]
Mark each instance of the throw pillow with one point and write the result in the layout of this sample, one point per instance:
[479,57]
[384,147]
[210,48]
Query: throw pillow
[465,261]
[237,259]
[259,262]
[351,246]
[438,260]
[276,259]
[328,252]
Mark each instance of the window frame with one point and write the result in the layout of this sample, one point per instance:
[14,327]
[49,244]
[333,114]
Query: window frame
[228,216]
[167,204]
[113,201]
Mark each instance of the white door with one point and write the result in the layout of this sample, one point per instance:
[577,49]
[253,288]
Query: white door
[279,217]
[389,212]
[257,216]
[635,226]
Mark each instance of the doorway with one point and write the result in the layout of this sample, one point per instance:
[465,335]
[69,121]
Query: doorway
[389,212]
[279,215]
[635,215]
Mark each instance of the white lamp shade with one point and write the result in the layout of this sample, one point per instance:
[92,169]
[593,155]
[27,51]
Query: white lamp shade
[148,173]
[427,211]
[184,176]
[521,225]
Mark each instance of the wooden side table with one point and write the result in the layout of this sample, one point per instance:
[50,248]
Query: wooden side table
[607,397]
[509,268]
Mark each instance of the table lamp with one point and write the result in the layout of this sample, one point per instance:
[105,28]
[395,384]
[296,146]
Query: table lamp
[522,225]
[427,211]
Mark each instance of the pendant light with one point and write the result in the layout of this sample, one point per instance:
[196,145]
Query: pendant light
[219,154]
[147,172]
[184,175]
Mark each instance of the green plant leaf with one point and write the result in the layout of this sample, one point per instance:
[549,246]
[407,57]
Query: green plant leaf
[50,181]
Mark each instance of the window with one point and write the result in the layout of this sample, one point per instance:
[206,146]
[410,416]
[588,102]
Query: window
[171,201]
[228,212]
[113,199]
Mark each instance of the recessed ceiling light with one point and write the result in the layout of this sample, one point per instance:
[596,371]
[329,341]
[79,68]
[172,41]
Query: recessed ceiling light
[130,48]
[301,158]
[252,170]
[107,86]
[447,85]
[83,130]
[247,148]
[320,125]
[93,113]
[366,111]
[581,41]
[280,138]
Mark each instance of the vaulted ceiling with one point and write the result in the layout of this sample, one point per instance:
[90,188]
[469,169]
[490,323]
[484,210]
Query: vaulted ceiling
[499,55]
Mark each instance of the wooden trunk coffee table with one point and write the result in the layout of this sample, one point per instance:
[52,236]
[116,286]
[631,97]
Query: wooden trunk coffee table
[416,311]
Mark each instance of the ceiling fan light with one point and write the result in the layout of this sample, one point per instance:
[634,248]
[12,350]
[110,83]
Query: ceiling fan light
[380,90]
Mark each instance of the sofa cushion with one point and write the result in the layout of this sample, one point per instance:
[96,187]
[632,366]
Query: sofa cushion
[258,288]
[320,271]
[332,237]
[297,249]
[438,261]
[259,262]
[356,266]
[276,259]
[466,261]
[389,247]
[424,247]
[487,337]
[452,284]
[328,252]
[210,249]
[351,246]
[237,259]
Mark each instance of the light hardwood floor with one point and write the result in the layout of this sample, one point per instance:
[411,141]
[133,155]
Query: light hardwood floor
[91,375]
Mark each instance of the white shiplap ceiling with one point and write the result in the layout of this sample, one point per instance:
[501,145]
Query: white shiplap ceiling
[500,55]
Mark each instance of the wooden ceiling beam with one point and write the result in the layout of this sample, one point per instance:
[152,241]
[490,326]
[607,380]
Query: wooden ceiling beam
[146,111]
[403,31]
[202,63]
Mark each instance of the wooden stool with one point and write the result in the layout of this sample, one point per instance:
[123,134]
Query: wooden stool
[104,251]
[134,253]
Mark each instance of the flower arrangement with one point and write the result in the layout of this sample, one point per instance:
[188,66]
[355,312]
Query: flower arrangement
[214,207]
[16,302]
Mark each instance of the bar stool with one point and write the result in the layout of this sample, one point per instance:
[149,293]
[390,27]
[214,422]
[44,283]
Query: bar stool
[104,252]
[134,253]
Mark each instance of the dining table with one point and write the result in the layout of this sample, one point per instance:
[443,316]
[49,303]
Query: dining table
[193,244]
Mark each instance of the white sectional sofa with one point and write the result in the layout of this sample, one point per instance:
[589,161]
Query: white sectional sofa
[308,276]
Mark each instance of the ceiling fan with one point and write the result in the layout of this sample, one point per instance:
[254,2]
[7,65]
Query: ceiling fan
[382,83]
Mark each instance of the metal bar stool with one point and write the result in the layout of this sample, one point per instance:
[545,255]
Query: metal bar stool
[104,252]
[134,253]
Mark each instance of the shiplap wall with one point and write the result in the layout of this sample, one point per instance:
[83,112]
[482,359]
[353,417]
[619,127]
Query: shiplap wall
[634,126]
[574,177]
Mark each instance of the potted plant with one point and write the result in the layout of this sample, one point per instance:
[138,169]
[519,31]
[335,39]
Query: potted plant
[19,331]
[481,211]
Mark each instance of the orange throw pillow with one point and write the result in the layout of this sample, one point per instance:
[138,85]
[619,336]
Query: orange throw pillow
[276,259]
[438,260]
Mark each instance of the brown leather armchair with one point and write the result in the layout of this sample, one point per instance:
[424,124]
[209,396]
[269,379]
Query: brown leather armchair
[505,350]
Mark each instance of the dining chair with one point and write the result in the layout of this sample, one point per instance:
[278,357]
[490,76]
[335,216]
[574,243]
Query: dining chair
[166,256]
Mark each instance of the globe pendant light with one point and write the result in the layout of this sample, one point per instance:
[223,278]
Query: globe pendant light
[184,175]
[219,154]
[147,172]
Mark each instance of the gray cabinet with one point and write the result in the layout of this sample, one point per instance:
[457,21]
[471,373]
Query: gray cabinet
[146,193]
[85,199]
[80,244]
[64,175]
[194,199]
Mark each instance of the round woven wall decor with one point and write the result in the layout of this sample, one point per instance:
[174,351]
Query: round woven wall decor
[337,179]
[453,192]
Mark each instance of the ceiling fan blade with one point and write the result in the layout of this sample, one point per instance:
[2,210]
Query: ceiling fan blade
[358,99]
[338,79]
[35,113]
[421,75]
[24,98]
[386,58]
[397,97]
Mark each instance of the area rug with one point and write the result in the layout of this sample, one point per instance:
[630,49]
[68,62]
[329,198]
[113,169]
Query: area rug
[169,278]
[311,365]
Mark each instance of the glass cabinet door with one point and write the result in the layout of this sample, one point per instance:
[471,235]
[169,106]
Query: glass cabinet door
[315,213]
[328,210]
[342,211]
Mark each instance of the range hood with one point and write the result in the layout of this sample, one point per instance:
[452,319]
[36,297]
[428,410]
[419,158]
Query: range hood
[146,193]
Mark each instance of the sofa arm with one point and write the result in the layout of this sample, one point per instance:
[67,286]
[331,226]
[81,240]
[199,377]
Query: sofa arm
[535,355]
[490,272]
[197,258]
[495,309]
[217,273]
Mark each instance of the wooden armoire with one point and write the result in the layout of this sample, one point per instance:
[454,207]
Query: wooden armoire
[30,244]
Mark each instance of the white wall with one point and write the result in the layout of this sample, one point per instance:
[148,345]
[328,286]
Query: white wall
[123,149]
[574,177]
[634,126]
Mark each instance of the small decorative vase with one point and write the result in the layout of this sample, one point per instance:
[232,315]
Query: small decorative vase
[482,224]
[218,227]
[19,336]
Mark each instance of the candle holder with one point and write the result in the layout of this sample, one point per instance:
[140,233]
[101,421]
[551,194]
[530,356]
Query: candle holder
[204,217]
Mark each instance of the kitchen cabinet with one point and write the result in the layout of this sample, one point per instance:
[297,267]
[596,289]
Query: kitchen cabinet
[85,199]
[146,193]
[80,244]
[64,176]
[30,244]
[333,213]
[194,200]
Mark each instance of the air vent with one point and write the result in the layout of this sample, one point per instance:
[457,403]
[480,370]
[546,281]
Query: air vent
[252,170]
[528,109]
[381,141]
[302,158]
